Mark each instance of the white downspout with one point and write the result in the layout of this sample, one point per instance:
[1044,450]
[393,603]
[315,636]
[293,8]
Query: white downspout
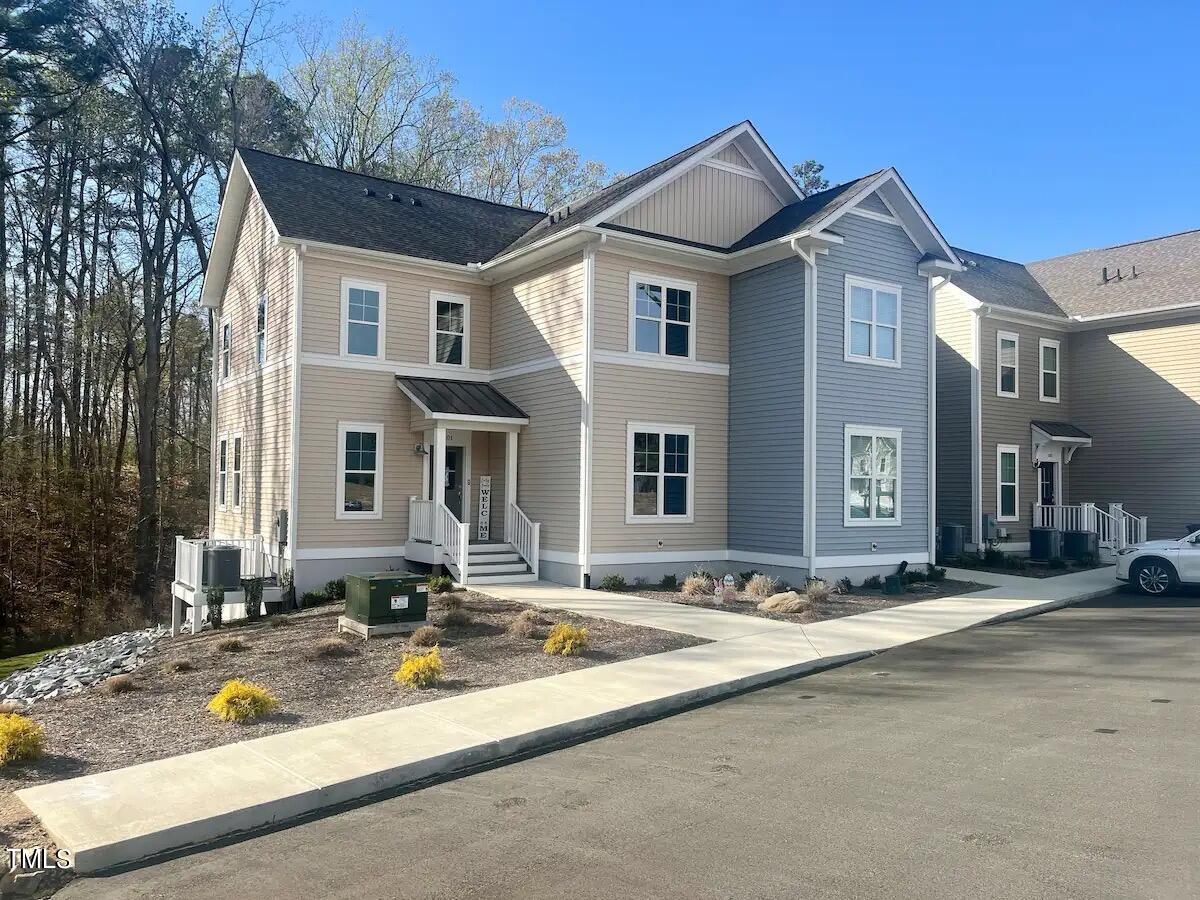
[294,460]
[585,412]
[810,403]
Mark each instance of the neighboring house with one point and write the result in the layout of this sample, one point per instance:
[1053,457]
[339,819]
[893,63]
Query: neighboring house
[696,365]
[1069,392]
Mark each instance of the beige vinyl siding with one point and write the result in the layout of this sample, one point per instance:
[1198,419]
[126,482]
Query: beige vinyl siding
[487,458]
[705,204]
[1006,420]
[539,314]
[548,451]
[256,401]
[1136,390]
[331,395]
[625,394]
[710,305]
[955,363]
[407,312]
[732,155]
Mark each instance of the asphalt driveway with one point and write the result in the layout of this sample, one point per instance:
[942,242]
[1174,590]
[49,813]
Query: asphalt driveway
[1051,757]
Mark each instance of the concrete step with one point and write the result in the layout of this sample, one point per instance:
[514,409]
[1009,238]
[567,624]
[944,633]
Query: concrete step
[502,579]
[487,558]
[506,568]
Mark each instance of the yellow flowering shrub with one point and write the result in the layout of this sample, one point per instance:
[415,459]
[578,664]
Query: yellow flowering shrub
[20,738]
[242,701]
[421,670]
[566,640]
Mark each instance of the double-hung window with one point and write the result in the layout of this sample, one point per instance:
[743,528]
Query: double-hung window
[260,332]
[872,321]
[363,308]
[237,471]
[1007,364]
[360,471]
[662,314]
[660,463]
[226,339]
[1007,489]
[1048,353]
[872,475]
[222,470]
[449,329]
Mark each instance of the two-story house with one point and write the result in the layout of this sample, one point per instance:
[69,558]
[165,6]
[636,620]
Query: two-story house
[1068,393]
[696,365]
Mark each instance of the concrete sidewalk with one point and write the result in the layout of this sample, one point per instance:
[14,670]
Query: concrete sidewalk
[129,814]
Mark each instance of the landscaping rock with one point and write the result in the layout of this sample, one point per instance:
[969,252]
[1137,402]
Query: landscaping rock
[73,669]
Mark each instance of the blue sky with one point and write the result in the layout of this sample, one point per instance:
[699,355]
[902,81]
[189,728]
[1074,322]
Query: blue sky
[1025,129]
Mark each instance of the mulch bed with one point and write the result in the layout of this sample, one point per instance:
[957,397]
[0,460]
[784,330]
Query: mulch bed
[859,600]
[1031,569]
[165,716]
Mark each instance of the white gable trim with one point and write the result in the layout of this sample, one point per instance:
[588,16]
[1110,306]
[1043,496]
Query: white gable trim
[714,163]
[239,188]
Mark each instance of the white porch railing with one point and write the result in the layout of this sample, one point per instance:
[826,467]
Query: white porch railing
[189,558]
[524,534]
[422,516]
[1115,529]
[1075,517]
[1133,528]
[454,538]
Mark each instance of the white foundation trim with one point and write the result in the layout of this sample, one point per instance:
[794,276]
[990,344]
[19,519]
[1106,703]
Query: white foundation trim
[872,559]
[616,559]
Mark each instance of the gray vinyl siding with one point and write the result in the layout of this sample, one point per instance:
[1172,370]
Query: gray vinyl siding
[863,394]
[873,203]
[1006,420]
[1138,394]
[766,409]
[955,363]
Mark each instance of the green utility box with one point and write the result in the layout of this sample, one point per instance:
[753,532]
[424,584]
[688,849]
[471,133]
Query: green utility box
[385,603]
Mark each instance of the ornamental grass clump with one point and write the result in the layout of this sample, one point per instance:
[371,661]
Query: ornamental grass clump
[528,624]
[421,670]
[21,738]
[566,640]
[242,701]
[697,586]
[761,585]
[818,590]
[426,636]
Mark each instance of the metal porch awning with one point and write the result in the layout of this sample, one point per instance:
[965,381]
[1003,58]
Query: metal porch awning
[447,398]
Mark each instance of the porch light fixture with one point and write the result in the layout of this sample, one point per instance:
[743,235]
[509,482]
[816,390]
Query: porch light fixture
[420,450]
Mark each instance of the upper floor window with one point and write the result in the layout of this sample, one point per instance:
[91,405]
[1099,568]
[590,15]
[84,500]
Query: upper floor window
[224,350]
[1048,351]
[449,329]
[662,316]
[872,321]
[1007,363]
[360,464]
[260,331]
[660,466]
[363,308]
[872,475]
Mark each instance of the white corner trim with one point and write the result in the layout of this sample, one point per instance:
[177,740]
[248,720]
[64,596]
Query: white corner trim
[1043,343]
[976,428]
[662,429]
[1016,339]
[294,457]
[667,363]
[874,286]
[379,287]
[340,511]
[931,487]
[465,301]
[810,402]
[585,412]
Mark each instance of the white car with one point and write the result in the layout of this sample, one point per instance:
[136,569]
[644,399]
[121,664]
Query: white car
[1158,567]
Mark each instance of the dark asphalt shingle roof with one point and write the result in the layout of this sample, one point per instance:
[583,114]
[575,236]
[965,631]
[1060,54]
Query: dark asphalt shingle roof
[312,202]
[1061,429]
[444,396]
[990,279]
[795,216]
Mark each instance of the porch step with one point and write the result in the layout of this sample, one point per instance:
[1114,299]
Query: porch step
[475,550]
[502,579]
[500,568]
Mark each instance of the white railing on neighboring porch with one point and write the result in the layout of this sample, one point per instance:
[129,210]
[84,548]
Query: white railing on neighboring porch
[422,520]
[1115,528]
[524,534]
[454,538]
[189,558]
[1133,528]
[1074,517]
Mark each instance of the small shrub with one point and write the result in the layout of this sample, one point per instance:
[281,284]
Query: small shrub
[744,579]
[118,684]
[1014,562]
[253,588]
[314,598]
[873,583]
[933,573]
[451,601]
[20,738]
[426,636]
[179,666]
[232,645]
[566,640]
[214,599]
[845,585]
[613,582]
[421,670]
[785,602]
[702,572]
[242,701]
[1087,560]
[333,648]
[669,583]
[914,576]
[456,617]
[818,590]
[440,584]
[527,625]
[640,582]
[761,585]
[1056,562]
[336,589]
[697,585]
[993,557]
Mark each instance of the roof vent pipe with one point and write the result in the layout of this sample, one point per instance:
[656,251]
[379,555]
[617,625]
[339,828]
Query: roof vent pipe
[367,192]
[1104,275]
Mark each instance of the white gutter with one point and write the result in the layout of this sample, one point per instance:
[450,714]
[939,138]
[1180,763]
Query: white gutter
[1103,317]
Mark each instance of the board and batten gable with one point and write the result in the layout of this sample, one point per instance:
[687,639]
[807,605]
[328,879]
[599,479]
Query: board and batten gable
[1006,420]
[766,409]
[255,401]
[855,393]
[956,366]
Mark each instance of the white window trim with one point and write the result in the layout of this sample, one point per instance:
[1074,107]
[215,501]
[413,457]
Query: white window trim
[1001,449]
[872,284]
[237,469]
[225,349]
[340,510]
[1016,339]
[265,302]
[872,431]
[1043,343]
[660,429]
[465,300]
[222,492]
[664,282]
[381,344]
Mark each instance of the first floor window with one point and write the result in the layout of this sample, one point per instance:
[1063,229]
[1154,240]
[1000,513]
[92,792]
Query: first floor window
[872,321]
[660,472]
[872,475]
[1049,353]
[237,471]
[1006,364]
[260,331]
[662,316]
[1007,492]
[222,470]
[362,314]
[449,329]
[360,454]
